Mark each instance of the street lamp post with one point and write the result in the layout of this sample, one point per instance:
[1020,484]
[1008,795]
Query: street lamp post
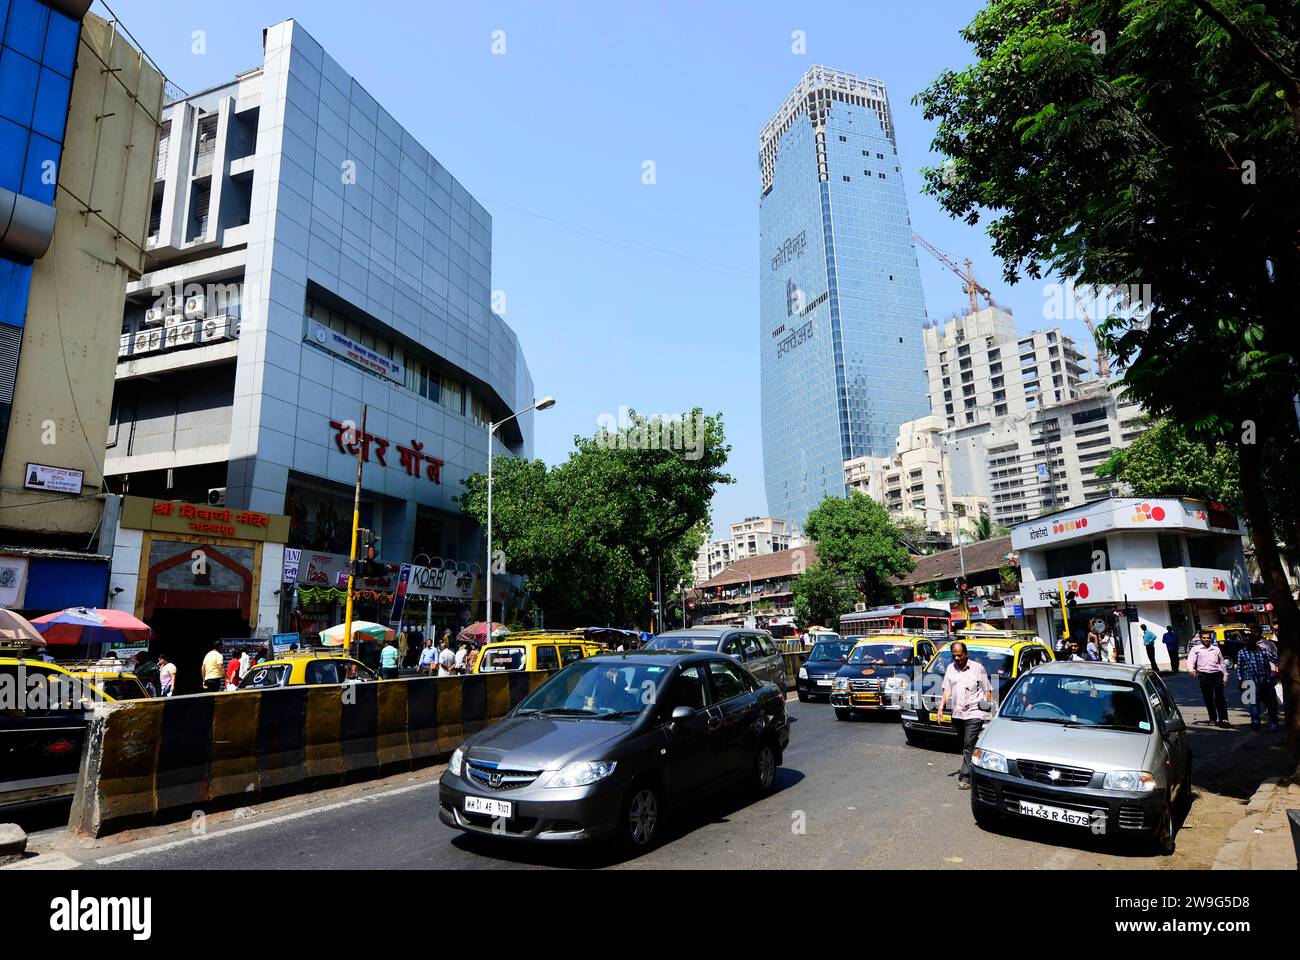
[542,404]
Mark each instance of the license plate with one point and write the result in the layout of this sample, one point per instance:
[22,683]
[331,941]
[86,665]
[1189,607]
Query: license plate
[1042,811]
[824,683]
[866,698]
[947,718]
[493,808]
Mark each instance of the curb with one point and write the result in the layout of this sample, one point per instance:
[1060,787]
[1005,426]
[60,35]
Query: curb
[1236,849]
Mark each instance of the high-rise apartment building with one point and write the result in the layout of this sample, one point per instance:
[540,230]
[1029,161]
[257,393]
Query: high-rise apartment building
[751,537]
[841,303]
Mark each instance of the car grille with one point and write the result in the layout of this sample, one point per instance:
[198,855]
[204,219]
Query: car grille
[495,778]
[864,685]
[1131,817]
[987,792]
[1041,772]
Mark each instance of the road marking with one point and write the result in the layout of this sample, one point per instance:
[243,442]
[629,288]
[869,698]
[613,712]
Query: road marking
[270,821]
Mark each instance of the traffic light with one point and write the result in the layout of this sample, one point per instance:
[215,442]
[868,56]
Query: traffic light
[963,591]
[1069,599]
[367,566]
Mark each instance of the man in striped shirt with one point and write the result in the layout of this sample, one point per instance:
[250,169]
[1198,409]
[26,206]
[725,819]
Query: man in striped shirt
[1255,670]
[1207,665]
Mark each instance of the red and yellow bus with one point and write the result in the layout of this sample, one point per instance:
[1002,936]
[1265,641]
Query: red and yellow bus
[929,617]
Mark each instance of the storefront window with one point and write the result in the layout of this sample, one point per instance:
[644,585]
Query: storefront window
[319,520]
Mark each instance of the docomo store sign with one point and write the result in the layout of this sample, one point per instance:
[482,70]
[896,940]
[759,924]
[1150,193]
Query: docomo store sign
[1092,589]
[349,349]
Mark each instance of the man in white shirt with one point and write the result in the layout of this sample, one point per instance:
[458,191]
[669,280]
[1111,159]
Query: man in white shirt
[460,657]
[966,685]
[446,659]
[245,664]
[167,676]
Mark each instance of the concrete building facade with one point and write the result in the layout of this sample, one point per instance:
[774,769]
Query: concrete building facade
[751,537]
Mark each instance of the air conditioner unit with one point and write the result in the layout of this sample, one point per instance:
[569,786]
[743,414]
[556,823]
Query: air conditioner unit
[145,341]
[187,334]
[214,329]
[153,317]
[173,320]
[216,496]
[195,307]
[175,305]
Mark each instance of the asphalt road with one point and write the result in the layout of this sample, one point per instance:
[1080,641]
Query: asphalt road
[848,795]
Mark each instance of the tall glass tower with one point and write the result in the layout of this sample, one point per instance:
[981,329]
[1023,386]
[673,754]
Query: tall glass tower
[840,300]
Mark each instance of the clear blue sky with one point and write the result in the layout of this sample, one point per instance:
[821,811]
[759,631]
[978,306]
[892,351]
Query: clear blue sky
[560,126]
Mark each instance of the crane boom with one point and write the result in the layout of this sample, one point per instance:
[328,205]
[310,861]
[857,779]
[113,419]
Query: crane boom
[970,285]
[1103,359]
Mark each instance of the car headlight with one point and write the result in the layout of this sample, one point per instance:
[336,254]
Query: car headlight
[803,673]
[1134,781]
[581,772]
[841,683]
[454,764]
[988,760]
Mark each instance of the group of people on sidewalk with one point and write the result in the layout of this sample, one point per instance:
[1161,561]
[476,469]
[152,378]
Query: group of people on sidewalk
[444,661]
[1258,678]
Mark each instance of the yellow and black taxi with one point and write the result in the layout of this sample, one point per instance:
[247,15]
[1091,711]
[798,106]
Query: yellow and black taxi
[44,710]
[309,667]
[115,677]
[1005,654]
[542,651]
[877,672]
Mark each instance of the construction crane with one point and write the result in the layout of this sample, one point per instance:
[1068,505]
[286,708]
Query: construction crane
[1103,359]
[969,284]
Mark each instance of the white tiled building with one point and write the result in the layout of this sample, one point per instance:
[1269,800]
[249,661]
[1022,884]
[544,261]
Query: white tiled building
[751,537]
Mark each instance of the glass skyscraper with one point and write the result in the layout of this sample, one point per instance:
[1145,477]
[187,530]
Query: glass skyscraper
[841,306]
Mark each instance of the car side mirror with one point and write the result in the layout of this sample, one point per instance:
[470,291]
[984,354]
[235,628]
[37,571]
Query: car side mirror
[1175,725]
[682,713]
[844,658]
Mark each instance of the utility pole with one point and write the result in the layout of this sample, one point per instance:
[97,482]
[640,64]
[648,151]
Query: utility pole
[360,439]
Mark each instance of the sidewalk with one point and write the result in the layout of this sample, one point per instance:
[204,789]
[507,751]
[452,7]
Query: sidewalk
[1235,773]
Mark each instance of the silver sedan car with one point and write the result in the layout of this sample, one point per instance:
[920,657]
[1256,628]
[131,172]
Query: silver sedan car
[1094,746]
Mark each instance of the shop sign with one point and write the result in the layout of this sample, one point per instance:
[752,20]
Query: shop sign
[440,582]
[292,558]
[1091,589]
[412,460]
[281,642]
[174,516]
[350,350]
[37,476]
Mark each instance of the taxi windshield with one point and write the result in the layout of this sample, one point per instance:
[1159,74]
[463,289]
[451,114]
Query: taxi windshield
[831,650]
[1078,700]
[995,660]
[890,654]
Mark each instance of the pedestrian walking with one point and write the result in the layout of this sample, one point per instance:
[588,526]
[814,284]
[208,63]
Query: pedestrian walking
[1106,645]
[428,657]
[966,685]
[213,674]
[1093,652]
[167,676]
[1149,641]
[1255,680]
[245,664]
[232,674]
[388,661]
[460,658]
[446,659]
[1171,643]
[471,659]
[1207,665]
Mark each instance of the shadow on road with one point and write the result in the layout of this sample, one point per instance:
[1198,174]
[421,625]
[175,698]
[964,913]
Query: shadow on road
[716,808]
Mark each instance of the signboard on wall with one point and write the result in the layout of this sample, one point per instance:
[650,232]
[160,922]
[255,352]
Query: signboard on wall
[37,476]
[174,516]
[292,558]
[347,348]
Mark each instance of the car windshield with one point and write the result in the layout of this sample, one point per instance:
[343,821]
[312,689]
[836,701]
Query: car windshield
[597,688]
[1078,700]
[264,677]
[890,654]
[831,650]
[995,660]
[678,641]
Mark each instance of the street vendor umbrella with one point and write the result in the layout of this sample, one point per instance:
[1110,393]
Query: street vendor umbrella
[477,632]
[16,629]
[361,630]
[89,625]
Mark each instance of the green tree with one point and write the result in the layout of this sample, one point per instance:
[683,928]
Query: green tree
[592,534]
[1153,146]
[820,596]
[856,536]
[913,533]
[986,529]
[1166,462]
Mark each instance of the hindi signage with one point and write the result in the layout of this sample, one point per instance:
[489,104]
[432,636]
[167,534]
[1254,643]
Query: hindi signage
[349,349]
[174,516]
[37,476]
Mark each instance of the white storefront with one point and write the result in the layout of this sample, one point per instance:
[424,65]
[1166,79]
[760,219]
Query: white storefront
[1174,561]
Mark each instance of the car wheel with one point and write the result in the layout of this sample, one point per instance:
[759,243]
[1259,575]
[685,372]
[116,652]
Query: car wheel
[764,773]
[841,713]
[642,815]
[1163,838]
[803,697]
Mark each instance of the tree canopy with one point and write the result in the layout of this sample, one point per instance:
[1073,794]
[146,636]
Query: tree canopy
[820,596]
[1166,462]
[588,533]
[856,537]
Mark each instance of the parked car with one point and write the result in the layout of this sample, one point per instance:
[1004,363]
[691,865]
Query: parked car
[1006,655]
[753,649]
[43,717]
[1100,746]
[306,667]
[611,743]
[878,672]
[818,672]
[534,651]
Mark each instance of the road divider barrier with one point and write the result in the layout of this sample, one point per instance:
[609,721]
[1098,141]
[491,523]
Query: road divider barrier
[147,761]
